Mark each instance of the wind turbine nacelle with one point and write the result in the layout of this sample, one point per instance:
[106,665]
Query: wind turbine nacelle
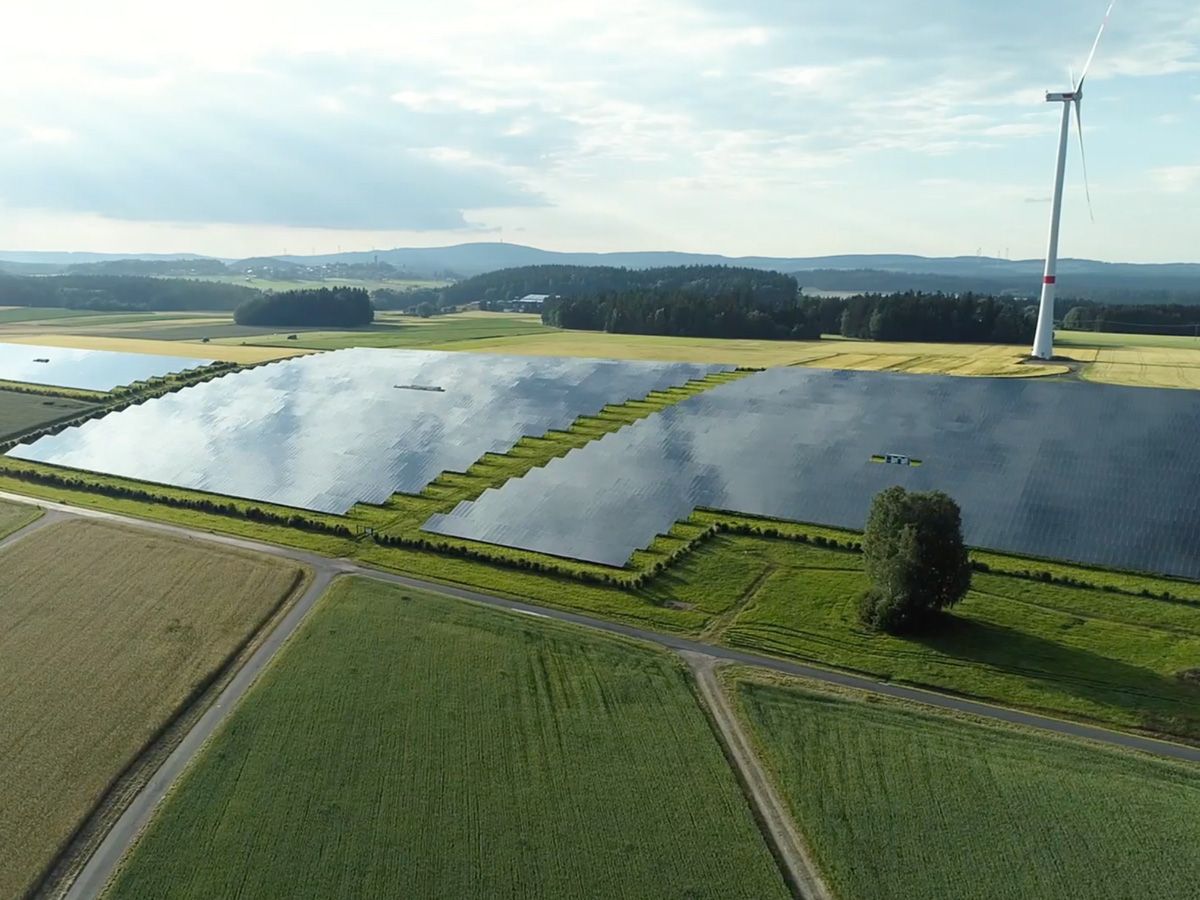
[1063,96]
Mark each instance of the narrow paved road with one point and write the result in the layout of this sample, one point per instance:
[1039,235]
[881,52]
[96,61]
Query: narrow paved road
[325,569]
[790,849]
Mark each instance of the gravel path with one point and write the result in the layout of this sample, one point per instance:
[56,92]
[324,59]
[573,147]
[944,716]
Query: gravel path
[789,847]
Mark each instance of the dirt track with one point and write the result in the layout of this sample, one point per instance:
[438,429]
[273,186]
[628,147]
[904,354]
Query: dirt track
[786,842]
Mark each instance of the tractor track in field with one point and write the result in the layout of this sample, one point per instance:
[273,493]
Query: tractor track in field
[101,866]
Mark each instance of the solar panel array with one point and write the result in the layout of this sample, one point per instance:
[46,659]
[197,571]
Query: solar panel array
[93,370]
[1092,473]
[323,432]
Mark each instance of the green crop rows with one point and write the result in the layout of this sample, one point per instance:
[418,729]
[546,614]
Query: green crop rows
[412,746]
[899,802]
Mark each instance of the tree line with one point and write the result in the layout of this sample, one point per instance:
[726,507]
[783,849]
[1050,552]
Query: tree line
[730,307]
[1171,318]
[729,310]
[915,316]
[333,307]
[120,292]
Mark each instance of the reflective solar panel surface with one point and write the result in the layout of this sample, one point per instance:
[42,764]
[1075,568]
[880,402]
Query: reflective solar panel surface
[323,432]
[1091,473]
[93,370]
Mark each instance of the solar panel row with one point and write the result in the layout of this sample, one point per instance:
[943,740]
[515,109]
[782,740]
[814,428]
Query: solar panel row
[1092,473]
[92,370]
[326,431]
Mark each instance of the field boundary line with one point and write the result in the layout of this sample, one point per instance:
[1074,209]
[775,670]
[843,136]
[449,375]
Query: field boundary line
[48,517]
[778,826]
[64,873]
[715,630]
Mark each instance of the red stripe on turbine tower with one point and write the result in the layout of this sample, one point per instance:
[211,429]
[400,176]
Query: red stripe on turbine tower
[1049,279]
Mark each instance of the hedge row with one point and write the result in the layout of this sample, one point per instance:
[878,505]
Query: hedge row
[42,390]
[770,531]
[201,504]
[531,565]
[1047,577]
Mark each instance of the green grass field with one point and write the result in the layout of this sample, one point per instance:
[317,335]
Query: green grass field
[105,635]
[409,745]
[1103,339]
[900,802]
[1111,657]
[15,516]
[22,411]
[13,314]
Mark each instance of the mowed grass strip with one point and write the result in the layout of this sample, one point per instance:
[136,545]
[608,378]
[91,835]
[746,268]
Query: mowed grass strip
[15,516]
[21,411]
[899,802]
[407,745]
[105,632]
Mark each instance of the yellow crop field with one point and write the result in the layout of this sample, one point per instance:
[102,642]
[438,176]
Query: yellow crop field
[642,346]
[1145,375]
[105,633]
[835,353]
[235,353]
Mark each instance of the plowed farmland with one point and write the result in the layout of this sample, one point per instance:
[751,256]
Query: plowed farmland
[105,633]
[901,803]
[406,745]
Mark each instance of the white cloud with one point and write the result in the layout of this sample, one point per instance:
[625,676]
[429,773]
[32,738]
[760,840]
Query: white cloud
[48,134]
[1176,179]
[577,120]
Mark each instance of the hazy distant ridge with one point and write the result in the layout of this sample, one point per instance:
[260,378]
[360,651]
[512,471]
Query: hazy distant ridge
[1177,282]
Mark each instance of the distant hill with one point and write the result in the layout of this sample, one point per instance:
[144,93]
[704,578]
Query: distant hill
[1132,282]
[1090,279]
[477,258]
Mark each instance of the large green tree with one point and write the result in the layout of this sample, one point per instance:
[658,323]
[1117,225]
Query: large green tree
[914,554]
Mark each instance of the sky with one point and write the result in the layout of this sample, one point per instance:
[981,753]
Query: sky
[765,127]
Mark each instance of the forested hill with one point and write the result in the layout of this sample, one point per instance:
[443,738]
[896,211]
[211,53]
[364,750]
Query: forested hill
[112,292]
[762,287]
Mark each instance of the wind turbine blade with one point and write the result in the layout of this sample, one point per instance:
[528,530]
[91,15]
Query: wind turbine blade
[1083,157]
[1096,43]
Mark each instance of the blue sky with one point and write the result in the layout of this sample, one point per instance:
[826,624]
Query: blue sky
[762,127]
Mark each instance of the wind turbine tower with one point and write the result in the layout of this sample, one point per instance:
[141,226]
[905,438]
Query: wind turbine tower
[1043,338]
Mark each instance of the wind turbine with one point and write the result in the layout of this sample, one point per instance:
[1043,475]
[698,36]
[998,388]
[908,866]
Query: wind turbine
[1043,338]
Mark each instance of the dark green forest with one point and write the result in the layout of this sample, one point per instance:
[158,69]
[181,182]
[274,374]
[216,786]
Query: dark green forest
[914,316]
[692,301]
[1163,319]
[332,307]
[1114,289]
[118,292]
